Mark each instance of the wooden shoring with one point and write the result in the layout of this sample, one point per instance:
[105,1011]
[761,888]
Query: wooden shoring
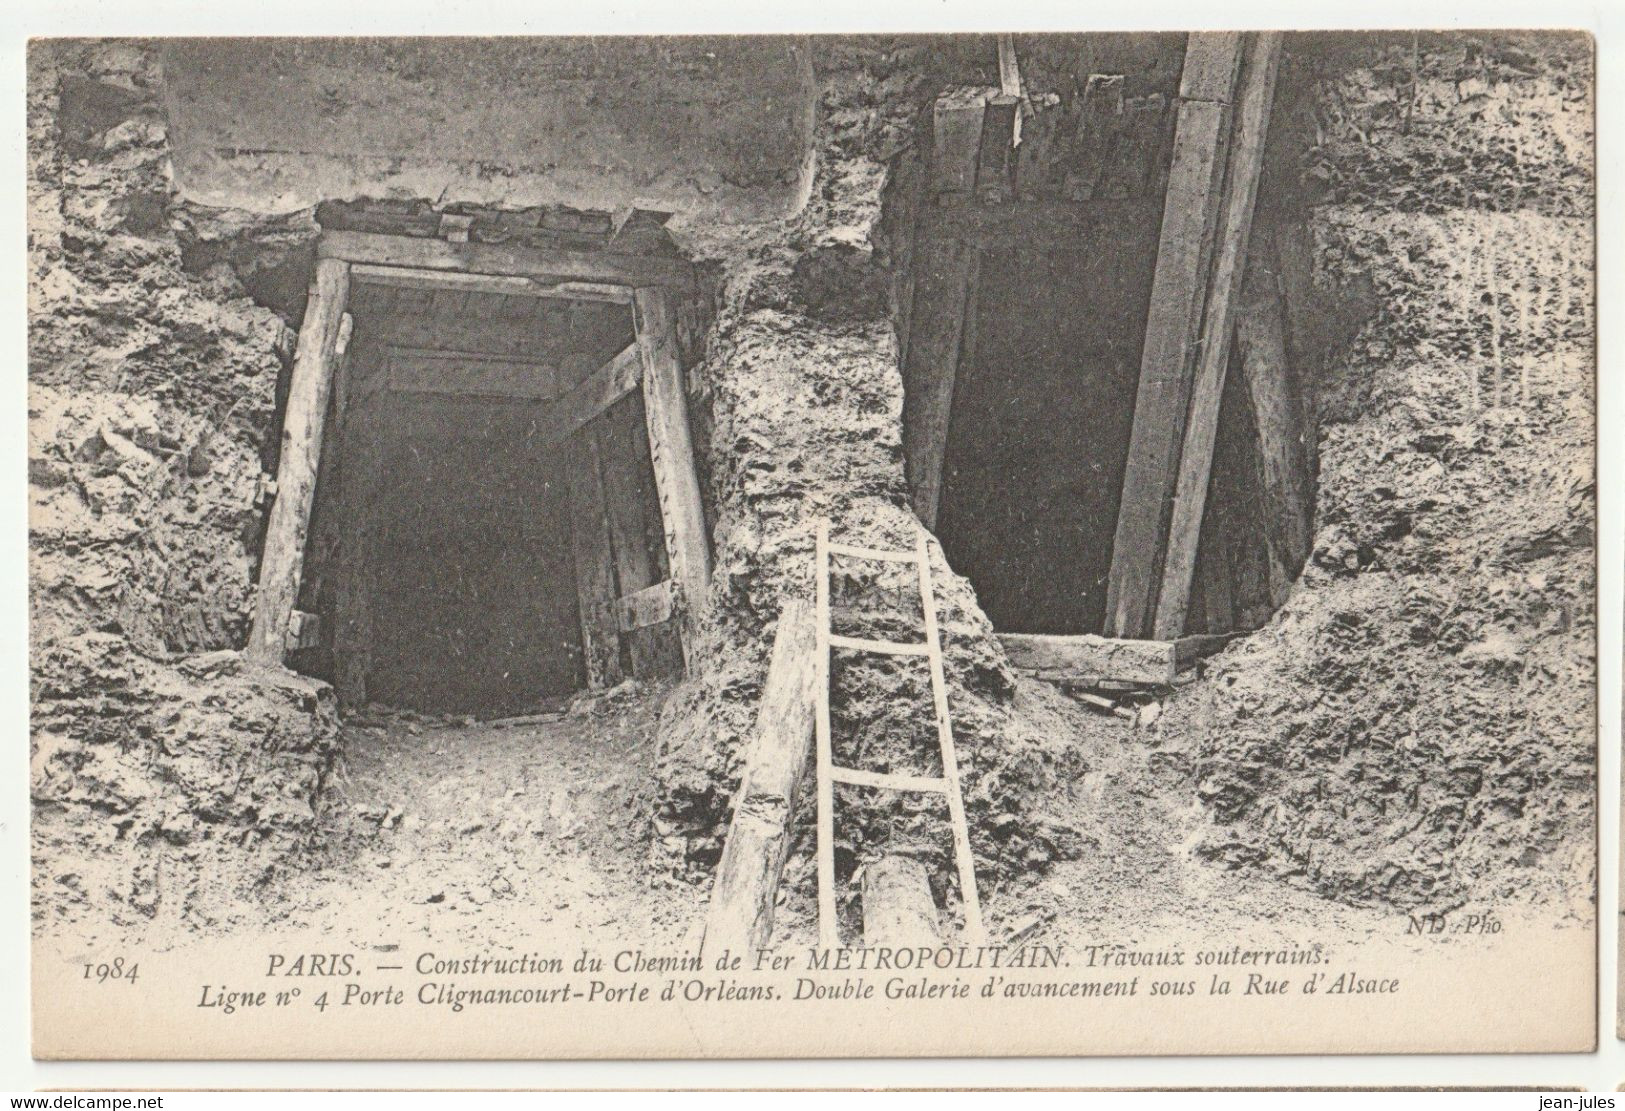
[557,264]
[1190,212]
[944,297]
[594,566]
[505,285]
[671,451]
[1285,470]
[563,416]
[1255,97]
[309,389]
[745,891]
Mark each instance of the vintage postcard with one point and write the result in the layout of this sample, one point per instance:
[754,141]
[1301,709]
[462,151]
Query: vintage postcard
[805,546]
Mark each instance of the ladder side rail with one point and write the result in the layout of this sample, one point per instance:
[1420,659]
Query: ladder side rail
[829,931]
[950,762]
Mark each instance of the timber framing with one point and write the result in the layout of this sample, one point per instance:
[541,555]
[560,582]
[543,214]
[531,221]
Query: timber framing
[540,253]
[1226,91]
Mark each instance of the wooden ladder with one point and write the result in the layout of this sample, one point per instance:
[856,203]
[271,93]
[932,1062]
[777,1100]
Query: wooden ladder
[829,774]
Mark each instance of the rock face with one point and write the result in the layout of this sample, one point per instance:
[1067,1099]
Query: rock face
[151,392]
[1416,725]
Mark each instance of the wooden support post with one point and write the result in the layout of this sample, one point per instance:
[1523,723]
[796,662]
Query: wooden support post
[671,449]
[1283,449]
[898,908]
[1190,212]
[743,896]
[944,297]
[1252,116]
[309,388]
[653,652]
[595,569]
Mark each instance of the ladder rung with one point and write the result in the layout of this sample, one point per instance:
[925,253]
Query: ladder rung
[887,647]
[887,781]
[872,553]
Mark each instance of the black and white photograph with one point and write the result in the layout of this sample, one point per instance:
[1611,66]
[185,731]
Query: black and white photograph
[1058,543]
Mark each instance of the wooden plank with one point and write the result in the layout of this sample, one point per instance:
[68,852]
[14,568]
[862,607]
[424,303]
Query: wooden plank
[1190,212]
[594,567]
[858,552]
[450,374]
[898,908]
[745,891]
[943,295]
[1130,661]
[556,264]
[560,418]
[407,277]
[879,647]
[956,128]
[654,651]
[1209,70]
[671,450]
[887,781]
[1246,159]
[1189,649]
[641,608]
[1272,389]
[996,155]
[310,386]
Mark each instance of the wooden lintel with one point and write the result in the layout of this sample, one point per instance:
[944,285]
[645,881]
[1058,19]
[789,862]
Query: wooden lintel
[1092,657]
[508,285]
[555,263]
[642,608]
[305,415]
[1254,98]
[1167,362]
[671,451]
[602,388]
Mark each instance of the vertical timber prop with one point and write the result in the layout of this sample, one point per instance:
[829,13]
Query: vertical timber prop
[1212,180]
[671,449]
[1285,469]
[1255,95]
[321,341]
[944,299]
[745,892]
[594,568]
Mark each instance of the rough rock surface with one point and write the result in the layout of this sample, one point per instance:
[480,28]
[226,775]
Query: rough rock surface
[151,388]
[1416,724]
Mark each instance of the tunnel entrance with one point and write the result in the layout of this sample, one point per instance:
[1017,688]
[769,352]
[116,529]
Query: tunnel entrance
[453,584]
[486,492]
[1101,422]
